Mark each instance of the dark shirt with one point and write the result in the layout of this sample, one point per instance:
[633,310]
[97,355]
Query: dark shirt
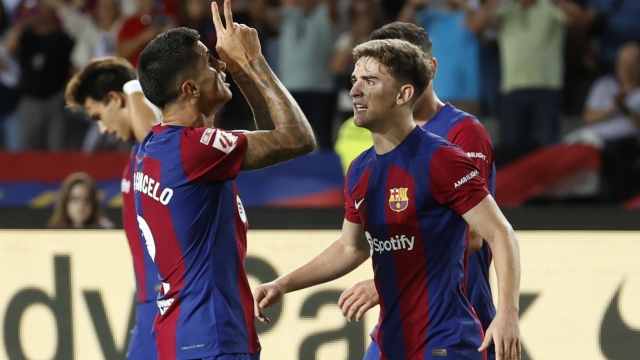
[45,62]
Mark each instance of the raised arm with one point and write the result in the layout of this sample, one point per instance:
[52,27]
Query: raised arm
[487,219]
[239,47]
[143,115]
[338,259]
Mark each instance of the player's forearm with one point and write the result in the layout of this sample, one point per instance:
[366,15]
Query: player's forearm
[292,135]
[506,257]
[142,116]
[251,91]
[333,262]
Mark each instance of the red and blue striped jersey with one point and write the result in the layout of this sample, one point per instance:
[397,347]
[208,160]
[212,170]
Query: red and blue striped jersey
[147,281]
[410,201]
[195,227]
[465,131]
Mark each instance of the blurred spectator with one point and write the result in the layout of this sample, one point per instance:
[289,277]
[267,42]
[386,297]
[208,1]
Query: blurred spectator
[9,94]
[43,51]
[455,47]
[615,22]
[612,118]
[95,34]
[392,9]
[77,206]
[138,30]
[531,38]
[364,17]
[307,36]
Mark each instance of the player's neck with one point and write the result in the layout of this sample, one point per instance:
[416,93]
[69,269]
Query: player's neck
[390,136]
[427,107]
[182,115]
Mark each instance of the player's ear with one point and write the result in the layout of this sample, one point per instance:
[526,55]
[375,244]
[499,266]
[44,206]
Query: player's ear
[117,97]
[190,89]
[434,67]
[405,94]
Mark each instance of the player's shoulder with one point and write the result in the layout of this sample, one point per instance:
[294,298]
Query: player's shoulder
[361,163]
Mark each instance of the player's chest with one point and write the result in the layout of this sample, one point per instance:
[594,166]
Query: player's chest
[393,193]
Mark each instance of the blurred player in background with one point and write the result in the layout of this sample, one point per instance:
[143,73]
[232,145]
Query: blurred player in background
[407,200]
[464,130]
[188,207]
[109,92]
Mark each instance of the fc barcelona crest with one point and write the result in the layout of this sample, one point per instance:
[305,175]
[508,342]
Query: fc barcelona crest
[398,200]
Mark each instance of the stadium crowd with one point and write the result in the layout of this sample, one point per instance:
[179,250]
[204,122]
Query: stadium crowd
[528,66]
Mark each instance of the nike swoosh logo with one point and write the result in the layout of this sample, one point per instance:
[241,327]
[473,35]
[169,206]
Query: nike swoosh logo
[358,203]
[617,339]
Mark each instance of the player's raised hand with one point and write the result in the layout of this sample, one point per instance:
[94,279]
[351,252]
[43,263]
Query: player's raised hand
[358,299]
[237,44]
[504,331]
[264,296]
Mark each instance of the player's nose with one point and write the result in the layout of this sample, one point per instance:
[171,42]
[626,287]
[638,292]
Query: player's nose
[355,91]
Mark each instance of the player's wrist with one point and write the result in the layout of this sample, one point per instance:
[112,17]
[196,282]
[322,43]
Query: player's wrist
[131,87]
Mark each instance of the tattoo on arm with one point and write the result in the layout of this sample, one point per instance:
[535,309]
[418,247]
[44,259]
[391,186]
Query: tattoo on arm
[289,134]
[251,92]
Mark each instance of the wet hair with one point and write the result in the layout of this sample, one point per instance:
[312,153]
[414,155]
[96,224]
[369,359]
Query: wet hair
[404,61]
[60,218]
[408,32]
[97,79]
[166,62]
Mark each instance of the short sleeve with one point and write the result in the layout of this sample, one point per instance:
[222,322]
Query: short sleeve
[455,180]
[632,101]
[471,136]
[602,93]
[210,154]
[351,213]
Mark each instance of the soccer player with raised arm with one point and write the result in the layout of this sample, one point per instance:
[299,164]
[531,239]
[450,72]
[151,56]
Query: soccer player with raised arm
[464,130]
[109,92]
[188,207]
[408,202]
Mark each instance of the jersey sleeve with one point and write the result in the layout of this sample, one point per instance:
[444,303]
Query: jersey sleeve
[471,136]
[351,213]
[455,180]
[210,154]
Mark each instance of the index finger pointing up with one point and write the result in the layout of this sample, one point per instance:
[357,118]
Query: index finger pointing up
[217,22]
[228,17]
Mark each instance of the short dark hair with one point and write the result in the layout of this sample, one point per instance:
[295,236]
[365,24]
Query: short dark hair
[405,62]
[164,63]
[408,32]
[97,79]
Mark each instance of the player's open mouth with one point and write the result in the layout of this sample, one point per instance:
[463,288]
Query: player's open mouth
[360,107]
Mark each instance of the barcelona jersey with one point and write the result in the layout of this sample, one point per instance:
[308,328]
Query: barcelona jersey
[147,281]
[465,131]
[195,227]
[410,201]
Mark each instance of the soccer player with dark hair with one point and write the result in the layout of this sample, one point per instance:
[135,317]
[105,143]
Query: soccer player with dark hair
[464,130]
[188,207]
[108,91]
[408,202]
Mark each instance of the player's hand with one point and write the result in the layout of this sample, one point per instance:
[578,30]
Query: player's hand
[505,333]
[358,299]
[237,44]
[264,296]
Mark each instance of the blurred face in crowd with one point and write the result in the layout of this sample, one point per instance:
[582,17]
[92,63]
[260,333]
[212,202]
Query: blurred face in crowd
[145,7]
[374,93]
[79,205]
[107,11]
[197,9]
[112,117]
[628,66]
